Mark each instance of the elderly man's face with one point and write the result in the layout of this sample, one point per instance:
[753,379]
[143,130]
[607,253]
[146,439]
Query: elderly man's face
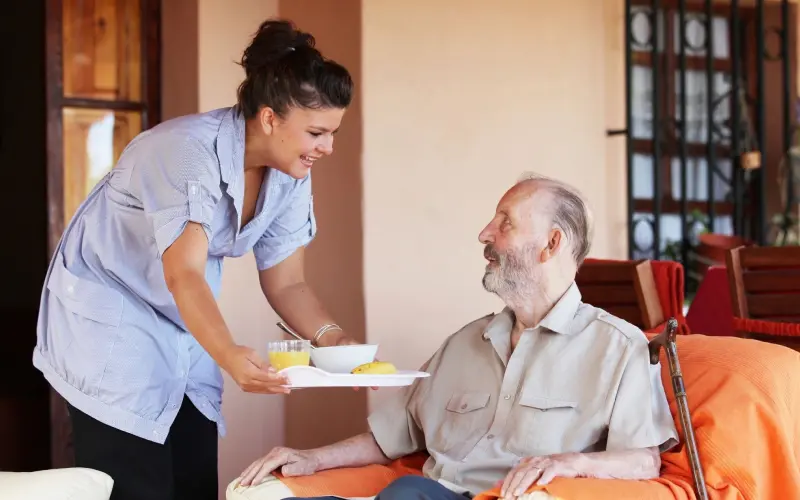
[514,240]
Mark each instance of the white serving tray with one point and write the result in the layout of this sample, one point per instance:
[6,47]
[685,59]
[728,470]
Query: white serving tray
[310,376]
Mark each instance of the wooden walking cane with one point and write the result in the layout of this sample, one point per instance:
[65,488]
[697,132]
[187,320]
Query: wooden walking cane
[666,339]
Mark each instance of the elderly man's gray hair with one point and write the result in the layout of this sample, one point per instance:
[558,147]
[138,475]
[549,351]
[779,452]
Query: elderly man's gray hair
[571,214]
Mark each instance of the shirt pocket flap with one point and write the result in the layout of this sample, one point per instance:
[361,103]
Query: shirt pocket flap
[468,401]
[85,298]
[545,404]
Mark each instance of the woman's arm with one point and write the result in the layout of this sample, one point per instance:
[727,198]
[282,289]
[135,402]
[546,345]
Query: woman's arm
[184,264]
[287,292]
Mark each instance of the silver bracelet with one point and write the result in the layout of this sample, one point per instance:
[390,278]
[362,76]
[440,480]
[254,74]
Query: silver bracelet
[323,330]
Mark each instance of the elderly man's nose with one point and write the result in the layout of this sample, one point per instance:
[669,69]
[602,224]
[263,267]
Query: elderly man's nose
[487,235]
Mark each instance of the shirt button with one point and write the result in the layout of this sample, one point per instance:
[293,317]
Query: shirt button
[464,406]
[70,289]
[507,397]
[490,436]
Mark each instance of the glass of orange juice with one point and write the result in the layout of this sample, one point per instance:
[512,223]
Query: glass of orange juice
[286,353]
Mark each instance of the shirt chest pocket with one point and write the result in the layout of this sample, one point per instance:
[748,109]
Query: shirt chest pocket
[542,425]
[466,418]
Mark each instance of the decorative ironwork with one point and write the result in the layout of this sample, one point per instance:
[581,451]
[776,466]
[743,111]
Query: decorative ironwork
[641,19]
[701,117]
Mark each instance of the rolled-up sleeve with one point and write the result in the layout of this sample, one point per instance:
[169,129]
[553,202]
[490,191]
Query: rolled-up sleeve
[395,425]
[395,429]
[641,417]
[179,183]
[295,227]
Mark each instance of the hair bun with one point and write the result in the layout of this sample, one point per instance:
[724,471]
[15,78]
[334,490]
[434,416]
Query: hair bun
[284,69]
[274,40]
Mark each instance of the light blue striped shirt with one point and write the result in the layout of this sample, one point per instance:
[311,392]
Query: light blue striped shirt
[110,339]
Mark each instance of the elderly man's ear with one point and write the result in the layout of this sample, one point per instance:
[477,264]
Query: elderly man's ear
[553,245]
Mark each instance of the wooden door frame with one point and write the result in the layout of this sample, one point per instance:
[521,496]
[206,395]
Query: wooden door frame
[150,108]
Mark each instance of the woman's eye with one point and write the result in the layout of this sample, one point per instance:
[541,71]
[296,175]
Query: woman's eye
[315,134]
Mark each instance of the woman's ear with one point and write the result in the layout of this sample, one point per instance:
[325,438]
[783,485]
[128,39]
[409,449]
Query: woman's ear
[267,118]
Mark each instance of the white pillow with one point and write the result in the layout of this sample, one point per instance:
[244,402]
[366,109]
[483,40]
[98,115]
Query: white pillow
[271,489]
[74,483]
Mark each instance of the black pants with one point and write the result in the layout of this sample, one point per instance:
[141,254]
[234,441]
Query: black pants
[184,467]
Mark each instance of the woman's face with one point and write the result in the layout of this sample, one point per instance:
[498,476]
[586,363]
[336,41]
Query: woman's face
[303,136]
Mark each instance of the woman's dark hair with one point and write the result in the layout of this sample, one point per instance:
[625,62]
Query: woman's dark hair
[284,69]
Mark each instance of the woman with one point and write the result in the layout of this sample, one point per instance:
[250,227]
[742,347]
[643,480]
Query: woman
[129,330]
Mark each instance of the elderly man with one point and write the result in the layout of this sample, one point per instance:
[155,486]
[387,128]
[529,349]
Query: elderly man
[548,387]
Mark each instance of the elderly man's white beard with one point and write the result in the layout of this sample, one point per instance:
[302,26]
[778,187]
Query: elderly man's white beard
[514,275]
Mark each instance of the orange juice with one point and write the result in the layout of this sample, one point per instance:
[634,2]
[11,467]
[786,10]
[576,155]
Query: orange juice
[280,360]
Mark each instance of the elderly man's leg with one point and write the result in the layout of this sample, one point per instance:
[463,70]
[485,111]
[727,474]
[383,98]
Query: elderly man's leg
[314,498]
[410,488]
[417,488]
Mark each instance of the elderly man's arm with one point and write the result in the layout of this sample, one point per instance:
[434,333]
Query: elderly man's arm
[628,464]
[353,452]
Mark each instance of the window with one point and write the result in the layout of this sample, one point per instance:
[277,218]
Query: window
[669,82]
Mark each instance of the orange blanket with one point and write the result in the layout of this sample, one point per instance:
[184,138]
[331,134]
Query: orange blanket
[744,396]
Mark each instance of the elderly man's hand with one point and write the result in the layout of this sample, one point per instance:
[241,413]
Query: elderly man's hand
[537,470]
[291,463]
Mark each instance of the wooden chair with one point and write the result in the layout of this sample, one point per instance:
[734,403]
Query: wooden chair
[624,288]
[765,293]
[711,250]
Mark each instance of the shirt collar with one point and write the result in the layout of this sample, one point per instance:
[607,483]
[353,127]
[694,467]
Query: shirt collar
[558,320]
[230,146]
[230,151]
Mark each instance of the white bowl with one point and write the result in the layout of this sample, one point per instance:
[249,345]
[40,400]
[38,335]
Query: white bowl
[343,358]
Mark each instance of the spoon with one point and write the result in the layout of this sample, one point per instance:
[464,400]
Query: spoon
[283,326]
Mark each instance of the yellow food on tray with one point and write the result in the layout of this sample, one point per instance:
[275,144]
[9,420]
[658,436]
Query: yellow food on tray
[375,368]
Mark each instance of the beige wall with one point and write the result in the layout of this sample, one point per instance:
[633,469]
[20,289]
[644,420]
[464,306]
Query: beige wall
[447,114]
[461,97]
[335,259]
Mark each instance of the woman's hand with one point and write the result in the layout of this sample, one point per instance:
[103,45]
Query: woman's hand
[345,340]
[291,463]
[251,373]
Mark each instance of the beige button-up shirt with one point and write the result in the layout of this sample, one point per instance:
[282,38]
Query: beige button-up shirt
[580,381]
